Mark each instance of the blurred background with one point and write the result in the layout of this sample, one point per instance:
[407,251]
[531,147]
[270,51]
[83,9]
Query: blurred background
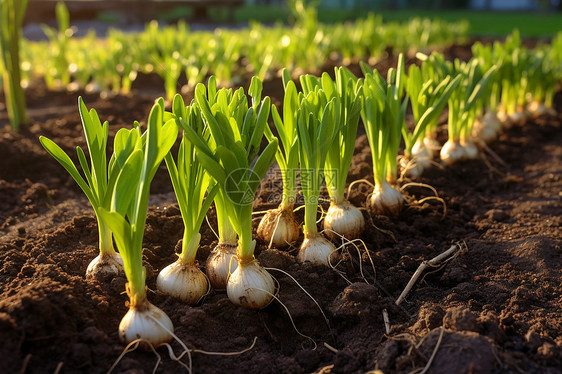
[534,18]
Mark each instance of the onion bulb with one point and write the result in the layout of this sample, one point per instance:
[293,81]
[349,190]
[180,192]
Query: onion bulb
[316,249]
[420,159]
[505,119]
[148,322]
[452,152]
[220,264]
[487,128]
[470,150]
[345,219]
[386,200]
[250,285]
[105,265]
[518,117]
[432,145]
[185,282]
[537,109]
[279,227]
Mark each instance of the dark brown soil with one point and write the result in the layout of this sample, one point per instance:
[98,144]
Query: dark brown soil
[495,308]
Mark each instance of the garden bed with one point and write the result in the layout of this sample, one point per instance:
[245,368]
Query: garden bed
[499,301]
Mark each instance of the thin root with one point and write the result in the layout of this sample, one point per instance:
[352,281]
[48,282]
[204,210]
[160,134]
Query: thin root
[357,182]
[306,292]
[433,354]
[290,318]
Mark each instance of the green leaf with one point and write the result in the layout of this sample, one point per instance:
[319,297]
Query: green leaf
[58,154]
[125,191]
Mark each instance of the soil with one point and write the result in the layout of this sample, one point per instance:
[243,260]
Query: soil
[495,308]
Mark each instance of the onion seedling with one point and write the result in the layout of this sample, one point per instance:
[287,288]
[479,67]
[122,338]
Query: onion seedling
[317,131]
[347,93]
[237,131]
[183,279]
[220,263]
[463,106]
[98,186]
[279,227]
[139,158]
[428,99]
[383,115]
[487,127]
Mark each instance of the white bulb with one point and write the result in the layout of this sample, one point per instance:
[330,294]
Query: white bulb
[316,249]
[105,265]
[281,225]
[250,285]
[185,282]
[345,219]
[470,150]
[386,200]
[140,322]
[452,153]
[220,264]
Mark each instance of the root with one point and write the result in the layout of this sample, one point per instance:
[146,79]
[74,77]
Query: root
[353,242]
[58,368]
[186,351]
[228,353]
[306,292]
[25,363]
[291,318]
[372,223]
[438,199]
[419,202]
[433,354]
[330,348]
[436,262]
[357,182]
[211,226]
[133,346]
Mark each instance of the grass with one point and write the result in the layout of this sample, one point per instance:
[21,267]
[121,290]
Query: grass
[482,23]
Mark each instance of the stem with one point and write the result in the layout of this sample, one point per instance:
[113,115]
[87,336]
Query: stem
[310,209]
[226,231]
[105,239]
[289,190]
[189,246]
[245,250]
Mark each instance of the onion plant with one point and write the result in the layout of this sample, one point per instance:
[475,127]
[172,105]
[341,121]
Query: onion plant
[228,156]
[279,227]
[11,18]
[487,127]
[383,115]
[428,98]
[139,158]
[342,217]
[183,279]
[317,131]
[463,109]
[100,178]
[220,263]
